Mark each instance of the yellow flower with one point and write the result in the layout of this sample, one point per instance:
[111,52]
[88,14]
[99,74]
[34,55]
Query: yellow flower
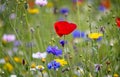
[94,35]
[33,11]
[17,59]
[40,67]
[115,75]
[8,67]
[33,65]
[61,61]
[43,60]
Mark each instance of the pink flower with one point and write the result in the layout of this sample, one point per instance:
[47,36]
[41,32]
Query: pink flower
[41,2]
[8,37]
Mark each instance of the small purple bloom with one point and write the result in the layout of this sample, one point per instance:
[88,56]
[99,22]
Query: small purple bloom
[97,67]
[2,7]
[41,2]
[64,11]
[63,42]
[99,39]
[12,16]
[101,8]
[54,50]
[17,43]
[53,65]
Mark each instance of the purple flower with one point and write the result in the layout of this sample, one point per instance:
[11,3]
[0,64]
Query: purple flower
[2,7]
[78,34]
[64,11]
[12,16]
[8,37]
[62,42]
[99,39]
[17,43]
[97,67]
[53,65]
[41,2]
[101,8]
[54,50]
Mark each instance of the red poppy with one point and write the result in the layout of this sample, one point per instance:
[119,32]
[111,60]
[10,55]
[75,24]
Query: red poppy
[118,22]
[106,3]
[64,28]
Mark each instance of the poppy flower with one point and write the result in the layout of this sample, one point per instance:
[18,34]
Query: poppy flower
[64,27]
[106,3]
[118,22]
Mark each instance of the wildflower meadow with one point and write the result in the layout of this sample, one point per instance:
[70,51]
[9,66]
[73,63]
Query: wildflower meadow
[59,38]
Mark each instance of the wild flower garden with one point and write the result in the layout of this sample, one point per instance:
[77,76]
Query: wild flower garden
[59,38]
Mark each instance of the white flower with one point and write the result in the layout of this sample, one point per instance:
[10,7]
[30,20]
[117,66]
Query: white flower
[13,75]
[79,71]
[39,55]
[41,2]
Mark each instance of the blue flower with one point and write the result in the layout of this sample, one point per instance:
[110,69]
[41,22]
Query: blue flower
[54,50]
[64,11]
[53,64]
[99,39]
[101,8]
[78,34]
[63,42]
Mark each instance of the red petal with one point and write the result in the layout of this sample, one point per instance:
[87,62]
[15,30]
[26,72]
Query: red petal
[118,22]
[64,28]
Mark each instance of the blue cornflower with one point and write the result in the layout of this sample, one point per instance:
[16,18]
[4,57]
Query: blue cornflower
[54,50]
[101,8]
[78,34]
[53,64]
[64,11]
[99,39]
[63,42]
